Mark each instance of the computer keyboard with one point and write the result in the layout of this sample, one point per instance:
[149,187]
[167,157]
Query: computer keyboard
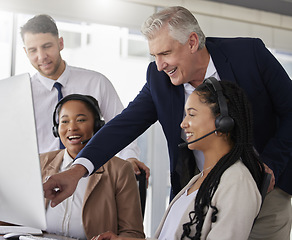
[31,237]
[20,229]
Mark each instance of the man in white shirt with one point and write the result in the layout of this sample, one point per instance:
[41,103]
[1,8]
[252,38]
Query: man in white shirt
[42,45]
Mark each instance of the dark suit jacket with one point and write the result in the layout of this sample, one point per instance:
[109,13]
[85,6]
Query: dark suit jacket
[245,61]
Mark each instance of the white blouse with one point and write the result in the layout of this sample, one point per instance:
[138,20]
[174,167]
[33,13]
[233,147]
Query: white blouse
[66,218]
[175,215]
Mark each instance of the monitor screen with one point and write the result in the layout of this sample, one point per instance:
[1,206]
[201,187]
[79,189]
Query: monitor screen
[21,190]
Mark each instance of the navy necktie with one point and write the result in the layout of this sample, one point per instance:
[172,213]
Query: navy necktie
[58,86]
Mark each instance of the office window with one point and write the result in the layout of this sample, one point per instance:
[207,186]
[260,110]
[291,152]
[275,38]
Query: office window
[73,39]
[22,64]
[6,26]
[133,44]
[285,58]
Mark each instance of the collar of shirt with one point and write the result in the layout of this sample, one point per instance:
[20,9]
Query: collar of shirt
[49,83]
[210,72]
[67,161]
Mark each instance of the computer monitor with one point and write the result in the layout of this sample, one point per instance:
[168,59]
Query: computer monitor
[21,189]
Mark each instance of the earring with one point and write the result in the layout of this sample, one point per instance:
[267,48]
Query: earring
[216,133]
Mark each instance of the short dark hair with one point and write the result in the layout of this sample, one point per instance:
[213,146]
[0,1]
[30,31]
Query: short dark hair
[40,24]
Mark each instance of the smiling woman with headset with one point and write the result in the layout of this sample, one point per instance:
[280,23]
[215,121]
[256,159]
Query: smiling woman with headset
[223,200]
[109,198]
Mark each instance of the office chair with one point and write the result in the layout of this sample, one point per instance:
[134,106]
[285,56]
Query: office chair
[142,185]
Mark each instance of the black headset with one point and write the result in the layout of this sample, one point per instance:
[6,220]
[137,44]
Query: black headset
[89,100]
[223,123]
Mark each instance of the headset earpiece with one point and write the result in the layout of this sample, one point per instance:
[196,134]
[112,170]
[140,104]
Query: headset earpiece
[98,124]
[223,123]
[55,130]
[55,124]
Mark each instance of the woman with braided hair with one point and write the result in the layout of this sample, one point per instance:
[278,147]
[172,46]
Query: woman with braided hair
[228,189]
[223,200]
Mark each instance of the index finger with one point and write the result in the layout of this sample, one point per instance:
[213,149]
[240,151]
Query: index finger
[49,188]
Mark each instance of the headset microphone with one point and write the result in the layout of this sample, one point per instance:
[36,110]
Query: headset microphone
[85,141]
[182,145]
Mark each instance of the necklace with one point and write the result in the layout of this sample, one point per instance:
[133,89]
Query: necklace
[202,172]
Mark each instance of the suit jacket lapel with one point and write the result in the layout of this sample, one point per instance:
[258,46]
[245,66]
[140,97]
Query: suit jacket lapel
[53,167]
[177,111]
[92,182]
[221,61]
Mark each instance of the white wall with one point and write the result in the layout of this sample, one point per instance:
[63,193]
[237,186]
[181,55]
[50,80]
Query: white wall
[112,12]
[215,18]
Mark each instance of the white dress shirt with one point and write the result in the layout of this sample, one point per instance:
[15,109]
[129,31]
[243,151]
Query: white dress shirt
[73,80]
[66,218]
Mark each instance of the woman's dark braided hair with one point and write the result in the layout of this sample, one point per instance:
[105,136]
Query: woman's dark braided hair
[241,137]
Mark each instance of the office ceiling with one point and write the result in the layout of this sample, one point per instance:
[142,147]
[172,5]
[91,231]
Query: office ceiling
[276,6]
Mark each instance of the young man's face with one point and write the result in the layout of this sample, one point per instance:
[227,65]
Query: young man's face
[43,52]
[172,57]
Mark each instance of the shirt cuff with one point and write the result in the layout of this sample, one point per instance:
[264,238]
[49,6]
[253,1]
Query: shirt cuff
[85,163]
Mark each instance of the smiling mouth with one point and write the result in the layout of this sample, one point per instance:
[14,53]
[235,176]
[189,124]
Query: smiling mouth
[45,65]
[189,135]
[172,71]
[72,138]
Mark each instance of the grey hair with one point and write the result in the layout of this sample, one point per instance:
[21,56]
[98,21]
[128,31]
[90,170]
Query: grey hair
[180,21]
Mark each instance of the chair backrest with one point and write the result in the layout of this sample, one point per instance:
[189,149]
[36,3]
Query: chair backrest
[142,185]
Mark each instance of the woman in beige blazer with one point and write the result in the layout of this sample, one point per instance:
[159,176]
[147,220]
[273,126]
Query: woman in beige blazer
[106,201]
[222,202]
